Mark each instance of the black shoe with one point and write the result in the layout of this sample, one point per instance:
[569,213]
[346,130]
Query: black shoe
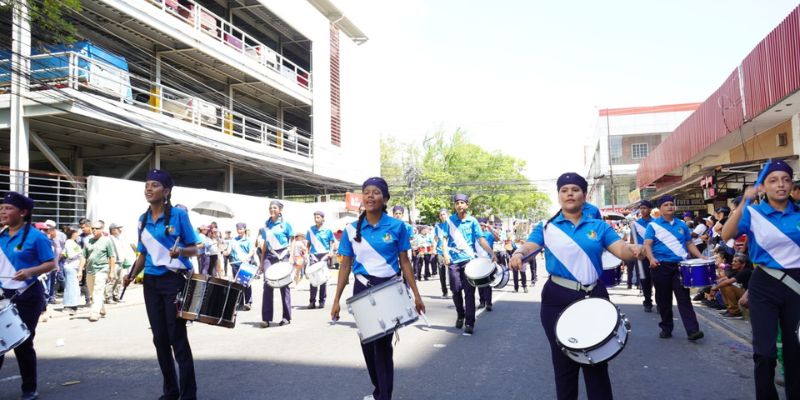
[699,296]
[524,289]
[665,334]
[648,308]
[481,305]
[284,322]
[459,322]
[311,306]
[488,307]
[321,305]
[444,295]
[30,396]
[696,335]
[469,329]
[516,290]
[246,307]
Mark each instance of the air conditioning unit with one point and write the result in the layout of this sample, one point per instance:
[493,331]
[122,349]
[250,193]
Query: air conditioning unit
[323,198]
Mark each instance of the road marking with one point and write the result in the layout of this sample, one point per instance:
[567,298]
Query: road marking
[725,330]
[10,378]
[500,296]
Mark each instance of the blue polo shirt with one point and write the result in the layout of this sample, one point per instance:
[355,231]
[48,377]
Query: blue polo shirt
[410,229]
[282,231]
[678,229]
[764,241]
[591,210]
[325,237]
[470,229]
[440,230]
[179,228]
[489,239]
[240,247]
[389,237]
[591,234]
[641,223]
[35,251]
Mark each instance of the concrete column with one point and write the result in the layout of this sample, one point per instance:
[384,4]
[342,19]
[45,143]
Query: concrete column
[19,161]
[157,158]
[228,181]
[281,183]
[795,144]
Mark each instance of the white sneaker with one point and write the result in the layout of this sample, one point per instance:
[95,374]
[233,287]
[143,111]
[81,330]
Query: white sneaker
[370,397]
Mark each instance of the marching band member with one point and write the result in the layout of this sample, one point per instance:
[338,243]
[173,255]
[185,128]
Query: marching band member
[639,229]
[376,247]
[668,241]
[277,237]
[26,254]
[440,241]
[166,241]
[241,250]
[399,212]
[773,294]
[488,234]
[573,242]
[463,234]
[321,246]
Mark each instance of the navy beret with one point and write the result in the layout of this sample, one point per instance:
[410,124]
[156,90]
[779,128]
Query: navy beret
[276,203]
[398,208]
[571,178]
[646,203]
[779,165]
[320,213]
[667,198]
[461,197]
[379,183]
[17,200]
[160,176]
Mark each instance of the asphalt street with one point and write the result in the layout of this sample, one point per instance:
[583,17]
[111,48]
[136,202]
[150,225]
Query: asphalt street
[507,358]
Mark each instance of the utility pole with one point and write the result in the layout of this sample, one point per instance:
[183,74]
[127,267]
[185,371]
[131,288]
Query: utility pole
[610,160]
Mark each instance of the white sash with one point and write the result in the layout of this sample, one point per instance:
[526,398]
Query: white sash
[640,230]
[480,251]
[780,247]
[272,240]
[316,242]
[7,269]
[159,254]
[570,254]
[367,256]
[459,240]
[670,241]
[241,255]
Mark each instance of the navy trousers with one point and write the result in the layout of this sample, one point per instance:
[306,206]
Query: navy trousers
[29,305]
[772,303]
[266,299]
[438,264]
[378,354]
[646,282]
[485,294]
[598,384]
[169,335]
[248,291]
[203,261]
[667,280]
[463,292]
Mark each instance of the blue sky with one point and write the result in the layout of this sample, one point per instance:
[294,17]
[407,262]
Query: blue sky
[527,77]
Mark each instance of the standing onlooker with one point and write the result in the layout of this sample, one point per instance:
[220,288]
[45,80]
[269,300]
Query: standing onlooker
[213,251]
[203,260]
[123,252]
[100,267]
[86,233]
[299,256]
[58,246]
[73,269]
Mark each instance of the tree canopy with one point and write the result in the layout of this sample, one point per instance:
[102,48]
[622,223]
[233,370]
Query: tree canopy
[431,172]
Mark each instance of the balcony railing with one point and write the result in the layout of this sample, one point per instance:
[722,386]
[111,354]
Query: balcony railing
[57,196]
[73,70]
[203,20]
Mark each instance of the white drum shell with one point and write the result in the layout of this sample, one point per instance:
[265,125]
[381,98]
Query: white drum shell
[12,330]
[480,272]
[318,273]
[279,274]
[605,349]
[501,276]
[381,309]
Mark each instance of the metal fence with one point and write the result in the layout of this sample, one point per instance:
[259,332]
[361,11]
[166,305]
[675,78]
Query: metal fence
[57,197]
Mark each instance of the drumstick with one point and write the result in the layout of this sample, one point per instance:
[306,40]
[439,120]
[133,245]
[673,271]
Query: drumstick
[428,323]
[760,179]
[174,246]
[636,242]
[531,254]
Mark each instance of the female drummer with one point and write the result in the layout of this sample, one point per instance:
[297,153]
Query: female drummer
[573,275]
[166,242]
[26,254]
[773,233]
[277,239]
[376,232]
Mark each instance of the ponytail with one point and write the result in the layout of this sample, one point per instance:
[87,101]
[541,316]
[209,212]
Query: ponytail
[358,226]
[167,214]
[28,218]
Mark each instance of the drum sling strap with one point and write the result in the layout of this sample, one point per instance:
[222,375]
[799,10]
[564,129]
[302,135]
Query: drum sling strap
[782,277]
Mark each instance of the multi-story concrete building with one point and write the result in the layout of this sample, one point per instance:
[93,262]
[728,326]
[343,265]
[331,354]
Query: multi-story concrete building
[245,96]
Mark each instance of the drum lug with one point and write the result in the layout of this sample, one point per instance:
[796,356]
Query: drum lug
[382,323]
[2,343]
[627,324]
[588,358]
[371,299]
[409,311]
[350,309]
[400,289]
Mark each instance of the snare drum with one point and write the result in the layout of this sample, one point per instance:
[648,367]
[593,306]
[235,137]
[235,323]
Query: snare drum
[245,274]
[209,300]
[592,331]
[612,272]
[12,330]
[697,273]
[318,273]
[500,277]
[279,274]
[480,272]
[381,309]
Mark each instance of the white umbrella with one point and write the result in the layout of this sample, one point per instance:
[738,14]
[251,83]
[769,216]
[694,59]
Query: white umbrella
[613,216]
[213,209]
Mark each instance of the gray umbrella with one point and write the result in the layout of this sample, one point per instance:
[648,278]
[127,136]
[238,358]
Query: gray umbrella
[213,209]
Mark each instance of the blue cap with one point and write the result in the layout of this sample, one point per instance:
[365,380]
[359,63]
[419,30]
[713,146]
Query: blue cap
[17,200]
[688,214]
[379,183]
[724,209]
[646,203]
[571,178]
[398,208]
[667,198]
[160,176]
[461,197]
[737,201]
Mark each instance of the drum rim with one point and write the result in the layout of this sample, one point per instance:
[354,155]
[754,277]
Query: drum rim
[481,260]
[208,319]
[696,262]
[390,331]
[616,353]
[602,342]
[19,342]
[366,292]
[215,281]
[324,265]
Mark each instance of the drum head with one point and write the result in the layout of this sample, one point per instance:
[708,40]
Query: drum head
[586,323]
[610,261]
[278,271]
[696,262]
[316,267]
[479,268]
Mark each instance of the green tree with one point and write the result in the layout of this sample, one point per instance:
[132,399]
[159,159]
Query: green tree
[48,18]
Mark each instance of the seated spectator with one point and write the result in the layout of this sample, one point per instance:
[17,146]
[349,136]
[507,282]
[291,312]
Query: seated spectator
[723,261]
[733,288]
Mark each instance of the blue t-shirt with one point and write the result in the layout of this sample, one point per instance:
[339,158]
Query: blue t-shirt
[489,239]
[640,228]
[325,237]
[675,235]
[179,228]
[240,247]
[470,229]
[35,251]
[770,235]
[440,230]
[590,234]
[389,237]
[282,231]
